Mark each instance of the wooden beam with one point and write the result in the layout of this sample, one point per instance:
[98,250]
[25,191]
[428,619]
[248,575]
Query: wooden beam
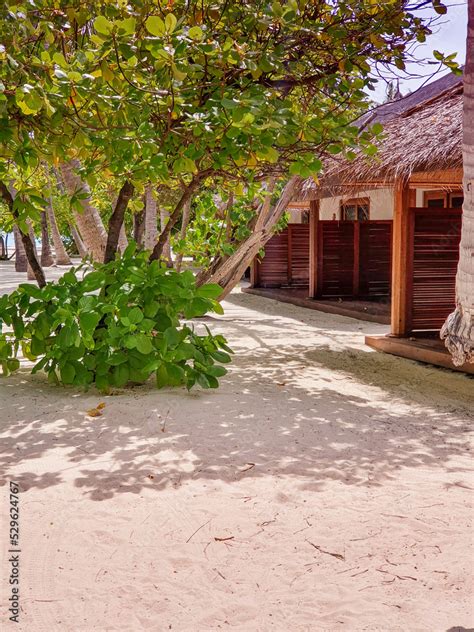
[399,259]
[313,248]
[436,178]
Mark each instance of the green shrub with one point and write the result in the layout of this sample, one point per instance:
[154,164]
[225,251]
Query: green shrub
[118,324]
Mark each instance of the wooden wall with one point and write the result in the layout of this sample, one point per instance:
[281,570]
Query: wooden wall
[433,255]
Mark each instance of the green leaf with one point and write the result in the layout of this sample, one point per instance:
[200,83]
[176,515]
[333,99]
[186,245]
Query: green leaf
[127,26]
[196,33]
[143,344]
[93,281]
[220,356]
[161,376]
[135,315]
[172,337]
[170,22]
[89,321]
[67,373]
[103,26]
[210,290]
[155,26]
[120,375]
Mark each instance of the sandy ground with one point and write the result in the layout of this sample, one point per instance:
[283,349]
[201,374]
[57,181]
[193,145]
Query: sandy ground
[323,487]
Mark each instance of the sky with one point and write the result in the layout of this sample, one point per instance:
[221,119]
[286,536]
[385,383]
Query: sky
[449,36]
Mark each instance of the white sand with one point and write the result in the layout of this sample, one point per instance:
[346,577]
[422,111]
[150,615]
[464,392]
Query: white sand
[341,478]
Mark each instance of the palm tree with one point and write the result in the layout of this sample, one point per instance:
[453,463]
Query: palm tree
[151,229]
[89,221]
[458,330]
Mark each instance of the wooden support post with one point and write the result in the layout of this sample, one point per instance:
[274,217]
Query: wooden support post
[313,248]
[400,251]
[356,270]
[289,252]
[254,273]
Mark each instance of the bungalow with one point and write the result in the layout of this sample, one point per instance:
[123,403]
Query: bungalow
[378,238]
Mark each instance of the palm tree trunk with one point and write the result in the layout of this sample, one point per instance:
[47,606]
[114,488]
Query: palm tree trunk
[184,226]
[81,248]
[151,219]
[21,263]
[458,330]
[164,219]
[62,258]
[46,253]
[89,221]
[139,227]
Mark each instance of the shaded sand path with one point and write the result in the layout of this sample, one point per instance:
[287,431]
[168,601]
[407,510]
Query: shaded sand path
[323,487]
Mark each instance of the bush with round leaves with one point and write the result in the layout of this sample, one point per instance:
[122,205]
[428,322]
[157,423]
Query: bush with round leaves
[118,324]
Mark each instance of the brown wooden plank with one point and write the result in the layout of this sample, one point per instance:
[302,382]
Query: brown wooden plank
[356,262]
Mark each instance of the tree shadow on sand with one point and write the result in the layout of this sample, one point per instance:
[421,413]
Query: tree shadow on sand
[315,414]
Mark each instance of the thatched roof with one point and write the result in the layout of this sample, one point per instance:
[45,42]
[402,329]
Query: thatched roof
[426,136]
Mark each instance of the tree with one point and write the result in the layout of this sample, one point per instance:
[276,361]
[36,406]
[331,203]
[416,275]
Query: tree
[188,95]
[46,253]
[458,330]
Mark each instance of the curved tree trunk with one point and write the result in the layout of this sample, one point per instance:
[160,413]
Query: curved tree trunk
[81,248]
[151,219]
[229,272]
[62,258]
[21,263]
[458,330]
[46,253]
[34,269]
[89,221]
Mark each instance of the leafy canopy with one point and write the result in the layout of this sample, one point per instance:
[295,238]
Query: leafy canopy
[167,92]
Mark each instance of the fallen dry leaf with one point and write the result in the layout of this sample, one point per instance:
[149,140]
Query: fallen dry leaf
[94,412]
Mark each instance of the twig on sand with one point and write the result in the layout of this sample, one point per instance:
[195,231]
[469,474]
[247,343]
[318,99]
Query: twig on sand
[336,555]
[231,537]
[402,577]
[198,529]
[246,469]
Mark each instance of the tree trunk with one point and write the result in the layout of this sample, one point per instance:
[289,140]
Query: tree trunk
[173,218]
[46,253]
[81,248]
[21,263]
[151,219]
[458,330]
[89,221]
[184,226]
[62,258]
[116,220]
[230,271]
[33,268]
[139,227]
[164,219]
[123,239]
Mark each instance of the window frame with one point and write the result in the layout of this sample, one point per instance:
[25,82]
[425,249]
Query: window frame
[361,201]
